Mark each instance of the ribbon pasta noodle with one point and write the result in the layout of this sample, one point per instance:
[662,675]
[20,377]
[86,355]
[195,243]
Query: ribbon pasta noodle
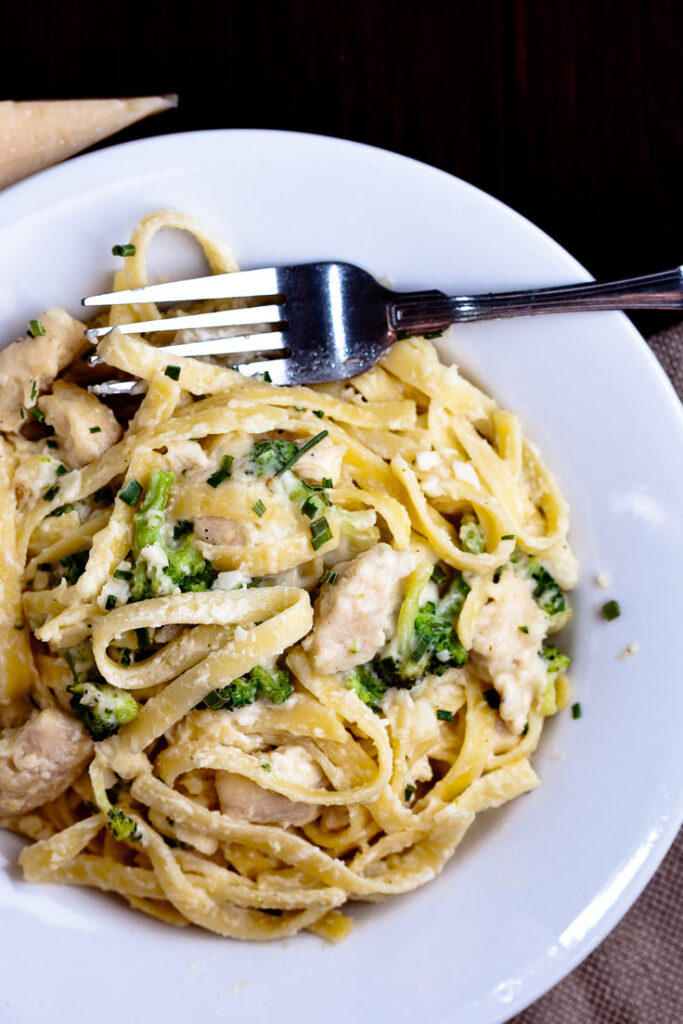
[264,650]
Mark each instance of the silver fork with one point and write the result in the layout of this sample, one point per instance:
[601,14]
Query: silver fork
[332,321]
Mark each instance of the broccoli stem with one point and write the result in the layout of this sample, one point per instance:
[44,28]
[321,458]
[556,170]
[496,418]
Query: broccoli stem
[121,825]
[410,607]
[149,520]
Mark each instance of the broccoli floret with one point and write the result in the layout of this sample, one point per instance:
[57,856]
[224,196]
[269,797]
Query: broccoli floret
[122,826]
[102,708]
[555,661]
[369,687]
[237,694]
[276,684]
[546,591]
[186,568]
[81,661]
[426,640]
[74,566]
[437,647]
[389,671]
[267,458]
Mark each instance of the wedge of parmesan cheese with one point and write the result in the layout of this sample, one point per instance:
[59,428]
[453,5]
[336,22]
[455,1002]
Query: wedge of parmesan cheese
[34,135]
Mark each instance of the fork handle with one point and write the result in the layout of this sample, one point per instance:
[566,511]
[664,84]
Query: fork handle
[422,312]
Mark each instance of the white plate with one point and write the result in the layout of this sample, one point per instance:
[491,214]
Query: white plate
[537,884]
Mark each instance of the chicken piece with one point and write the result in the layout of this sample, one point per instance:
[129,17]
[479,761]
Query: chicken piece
[186,455]
[355,616]
[40,760]
[86,427]
[219,531]
[241,798]
[37,359]
[324,460]
[506,654]
[34,474]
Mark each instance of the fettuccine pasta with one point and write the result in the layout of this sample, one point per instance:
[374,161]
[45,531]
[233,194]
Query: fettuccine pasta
[264,650]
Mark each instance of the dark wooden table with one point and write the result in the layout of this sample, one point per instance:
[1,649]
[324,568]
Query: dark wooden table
[567,110]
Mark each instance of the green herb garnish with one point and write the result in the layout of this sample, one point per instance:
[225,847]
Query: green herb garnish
[130,494]
[611,610]
[36,328]
[320,533]
[222,473]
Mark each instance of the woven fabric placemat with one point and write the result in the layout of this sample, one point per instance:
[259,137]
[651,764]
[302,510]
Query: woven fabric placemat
[635,976]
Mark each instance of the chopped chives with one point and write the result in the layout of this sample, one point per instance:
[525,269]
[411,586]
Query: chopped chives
[181,528]
[301,451]
[444,716]
[492,698]
[126,656]
[320,533]
[438,575]
[319,413]
[576,711]
[508,536]
[36,328]
[61,511]
[51,492]
[142,637]
[259,508]
[123,250]
[611,610]
[328,481]
[95,430]
[37,413]
[110,603]
[312,505]
[523,629]
[432,334]
[222,473]
[408,792]
[34,389]
[122,574]
[173,372]
[50,443]
[267,378]
[330,577]
[22,413]
[74,565]
[61,469]
[525,730]
[131,492]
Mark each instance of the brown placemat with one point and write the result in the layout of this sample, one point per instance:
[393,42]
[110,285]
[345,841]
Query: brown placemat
[635,976]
